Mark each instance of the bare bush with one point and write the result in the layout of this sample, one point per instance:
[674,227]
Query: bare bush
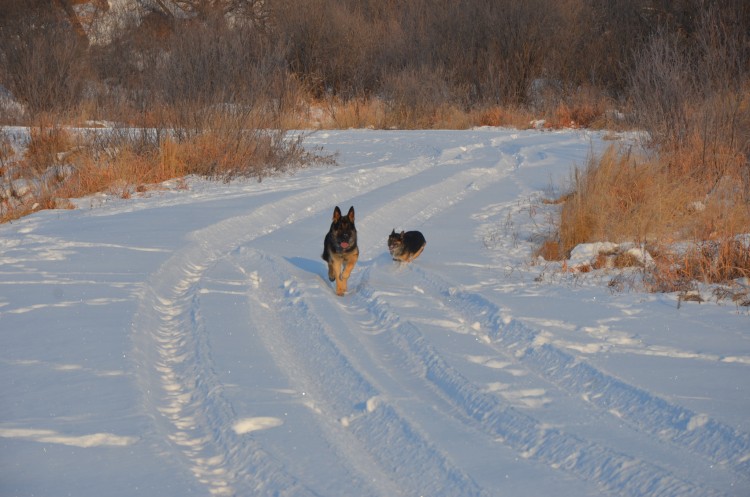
[335,47]
[43,62]
[414,96]
[662,85]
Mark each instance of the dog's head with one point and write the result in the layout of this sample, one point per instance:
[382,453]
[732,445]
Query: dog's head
[343,231]
[395,240]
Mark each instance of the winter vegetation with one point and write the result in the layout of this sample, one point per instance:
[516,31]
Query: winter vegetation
[122,95]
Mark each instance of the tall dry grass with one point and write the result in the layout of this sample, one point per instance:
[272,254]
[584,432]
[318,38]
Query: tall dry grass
[689,212]
[714,261]
[375,113]
[619,197]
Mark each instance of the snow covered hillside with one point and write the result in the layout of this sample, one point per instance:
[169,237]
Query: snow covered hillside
[189,342]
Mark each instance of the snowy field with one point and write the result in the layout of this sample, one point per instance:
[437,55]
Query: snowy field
[188,341]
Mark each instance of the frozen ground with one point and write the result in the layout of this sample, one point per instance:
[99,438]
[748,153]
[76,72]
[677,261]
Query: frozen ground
[189,343]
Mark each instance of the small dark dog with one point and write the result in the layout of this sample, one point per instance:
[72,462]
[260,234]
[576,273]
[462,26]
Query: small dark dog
[406,246]
[340,248]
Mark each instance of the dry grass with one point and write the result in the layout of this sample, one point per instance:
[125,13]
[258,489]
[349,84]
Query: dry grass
[551,250]
[685,196]
[514,117]
[120,171]
[585,108]
[28,184]
[718,261]
[60,164]
[619,197]
[355,113]
[49,144]
[374,113]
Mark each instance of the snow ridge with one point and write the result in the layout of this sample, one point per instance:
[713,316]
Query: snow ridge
[616,472]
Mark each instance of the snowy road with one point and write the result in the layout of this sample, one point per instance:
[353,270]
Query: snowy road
[190,342]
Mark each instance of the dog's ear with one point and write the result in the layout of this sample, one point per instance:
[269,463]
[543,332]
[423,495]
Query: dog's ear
[350,215]
[402,233]
[336,214]
[393,232]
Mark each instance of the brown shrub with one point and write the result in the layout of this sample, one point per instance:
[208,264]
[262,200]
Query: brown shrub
[352,113]
[717,261]
[626,259]
[495,115]
[49,143]
[621,198]
[550,250]
[685,195]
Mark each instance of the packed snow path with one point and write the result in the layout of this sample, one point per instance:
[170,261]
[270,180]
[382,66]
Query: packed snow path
[467,372]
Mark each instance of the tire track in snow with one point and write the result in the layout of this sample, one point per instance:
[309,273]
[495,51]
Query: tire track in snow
[182,393]
[616,472]
[707,438]
[390,456]
[184,397]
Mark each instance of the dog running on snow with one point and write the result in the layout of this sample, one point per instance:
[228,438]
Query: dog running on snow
[340,249]
[406,246]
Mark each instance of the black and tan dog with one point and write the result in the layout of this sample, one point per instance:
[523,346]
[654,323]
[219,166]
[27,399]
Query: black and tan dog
[340,248]
[406,246]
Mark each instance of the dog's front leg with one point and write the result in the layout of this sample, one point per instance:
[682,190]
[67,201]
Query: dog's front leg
[341,278]
[340,286]
[349,261]
[334,271]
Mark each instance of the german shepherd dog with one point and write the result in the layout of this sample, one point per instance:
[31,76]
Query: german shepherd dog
[406,246]
[340,248]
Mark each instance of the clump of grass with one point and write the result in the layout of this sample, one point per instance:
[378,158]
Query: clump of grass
[584,108]
[337,113]
[551,250]
[29,181]
[49,144]
[495,115]
[714,261]
[687,195]
[620,198]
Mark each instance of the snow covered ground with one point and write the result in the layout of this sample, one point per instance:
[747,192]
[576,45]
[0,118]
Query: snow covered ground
[188,342]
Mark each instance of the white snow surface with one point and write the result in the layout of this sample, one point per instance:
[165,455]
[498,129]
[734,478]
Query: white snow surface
[188,341]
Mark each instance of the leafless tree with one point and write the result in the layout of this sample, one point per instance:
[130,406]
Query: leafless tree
[43,61]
